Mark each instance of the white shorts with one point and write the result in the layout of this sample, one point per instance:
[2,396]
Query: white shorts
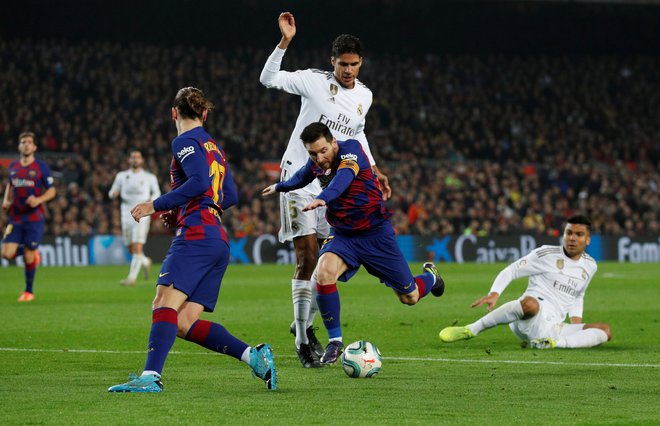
[547,323]
[297,223]
[134,232]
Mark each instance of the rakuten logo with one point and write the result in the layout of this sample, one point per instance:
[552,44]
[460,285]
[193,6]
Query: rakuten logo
[349,157]
[185,152]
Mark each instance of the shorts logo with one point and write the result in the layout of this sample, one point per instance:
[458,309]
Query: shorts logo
[349,157]
[185,152]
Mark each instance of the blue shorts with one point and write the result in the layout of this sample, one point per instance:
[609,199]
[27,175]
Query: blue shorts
[196,268]
[378,252]
[28,234]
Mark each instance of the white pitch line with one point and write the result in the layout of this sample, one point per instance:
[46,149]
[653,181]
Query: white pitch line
[393,358]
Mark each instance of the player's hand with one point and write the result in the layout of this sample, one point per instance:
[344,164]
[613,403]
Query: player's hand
[169,219]
[287,25]
[384,185]
[489,300]
[269,190]
[314,204]
[32,201]
[143,209]
[6,205]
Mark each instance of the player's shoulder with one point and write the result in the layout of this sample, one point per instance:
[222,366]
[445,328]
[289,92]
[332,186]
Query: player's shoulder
[320,74]
[360,85]
[547,251]
[42,164]
[589,260]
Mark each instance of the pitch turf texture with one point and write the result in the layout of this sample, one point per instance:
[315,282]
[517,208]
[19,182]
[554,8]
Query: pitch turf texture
[84,333]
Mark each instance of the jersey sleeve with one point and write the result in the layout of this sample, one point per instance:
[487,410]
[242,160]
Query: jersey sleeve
[116,185]
[189,155]
[46,175]
[523,267]
[300,179]
[296,83]
[154,188]
[229,191]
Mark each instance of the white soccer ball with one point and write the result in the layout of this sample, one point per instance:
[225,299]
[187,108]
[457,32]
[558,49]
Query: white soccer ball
[361,359]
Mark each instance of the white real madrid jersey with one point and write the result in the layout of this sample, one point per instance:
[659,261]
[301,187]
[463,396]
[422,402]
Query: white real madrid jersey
[134,188]
[553,276]
[323,100]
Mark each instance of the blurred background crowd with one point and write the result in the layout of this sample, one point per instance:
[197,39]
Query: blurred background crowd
[477,143]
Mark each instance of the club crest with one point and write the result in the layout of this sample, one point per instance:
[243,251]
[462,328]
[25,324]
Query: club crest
[360,109]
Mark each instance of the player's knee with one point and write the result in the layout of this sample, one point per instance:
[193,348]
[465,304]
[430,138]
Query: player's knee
[409,299]
[607,330]
[305,264]
[530,307]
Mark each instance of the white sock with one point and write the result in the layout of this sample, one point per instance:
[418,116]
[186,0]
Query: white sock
[148,372]
[585,338]
[301,293]
[509,312]
[313,307]
[245,357]
[136,264]
[145,261]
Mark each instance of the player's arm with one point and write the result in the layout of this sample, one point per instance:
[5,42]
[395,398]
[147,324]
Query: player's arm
[115,189]
[382,179]
[229,191]
[154,188]
[346,173]
[300,179]
[47,181]
[196,170]
[7,199]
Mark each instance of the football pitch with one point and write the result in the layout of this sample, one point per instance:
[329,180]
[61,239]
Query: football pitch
[84,332]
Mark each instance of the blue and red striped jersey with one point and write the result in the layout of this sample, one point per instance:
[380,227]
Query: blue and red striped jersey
[351,192]
[202,186]
[33,179]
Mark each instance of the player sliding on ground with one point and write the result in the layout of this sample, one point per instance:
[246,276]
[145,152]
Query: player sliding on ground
[361,233]
[558,278]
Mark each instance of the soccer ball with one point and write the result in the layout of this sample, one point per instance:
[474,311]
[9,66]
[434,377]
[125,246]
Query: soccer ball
[361,359]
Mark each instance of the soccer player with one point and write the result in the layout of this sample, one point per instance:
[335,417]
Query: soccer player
[339,100]
[30,186]
[134,186]
[361,231]
[190,278]
[558,279]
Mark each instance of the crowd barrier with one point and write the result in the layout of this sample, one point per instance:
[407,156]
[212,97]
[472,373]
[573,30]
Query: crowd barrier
[110,249]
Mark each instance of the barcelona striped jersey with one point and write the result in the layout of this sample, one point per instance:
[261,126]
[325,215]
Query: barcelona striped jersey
[33,179]
[351,192]
[202,186]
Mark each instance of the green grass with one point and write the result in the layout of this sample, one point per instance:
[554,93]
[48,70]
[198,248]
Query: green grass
[84,333]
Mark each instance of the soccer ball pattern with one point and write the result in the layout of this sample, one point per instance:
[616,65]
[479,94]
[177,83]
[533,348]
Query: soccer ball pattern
[361,359]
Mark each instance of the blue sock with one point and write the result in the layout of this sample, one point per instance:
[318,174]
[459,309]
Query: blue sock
[161,338]
[215,337]
[30,270]
[327,298]
[424,283]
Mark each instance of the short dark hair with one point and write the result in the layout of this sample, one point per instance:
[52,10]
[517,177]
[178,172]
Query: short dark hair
[28,135]
[346,43]
[580,219]
[314,131]
[135,149]
[191,103]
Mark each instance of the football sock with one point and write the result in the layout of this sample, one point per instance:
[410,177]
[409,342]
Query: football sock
[161,338]
[327,298]
[509,312]
[313,307]
[145,261]
[301,294]
[585,338]
[245,357]
[215,337]
[30,271]
[136,264]
[424,283]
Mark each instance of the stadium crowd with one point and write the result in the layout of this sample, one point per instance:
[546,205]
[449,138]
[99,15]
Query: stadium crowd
[472,144]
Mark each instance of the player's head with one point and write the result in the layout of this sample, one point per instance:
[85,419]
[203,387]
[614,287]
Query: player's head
[320,144]
[346,59]
[135,158]
[190,103]
[27,144]
[577,235]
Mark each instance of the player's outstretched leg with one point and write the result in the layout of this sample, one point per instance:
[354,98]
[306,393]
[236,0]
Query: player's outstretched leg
[263,365]
[142,384]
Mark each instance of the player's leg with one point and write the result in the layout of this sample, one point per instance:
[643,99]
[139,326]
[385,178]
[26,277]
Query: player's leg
[138,246]
[32,235]
[136,240]
[574,336]
[331,266]
[525,308]
[9,250]
[11,240]
[127,227]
